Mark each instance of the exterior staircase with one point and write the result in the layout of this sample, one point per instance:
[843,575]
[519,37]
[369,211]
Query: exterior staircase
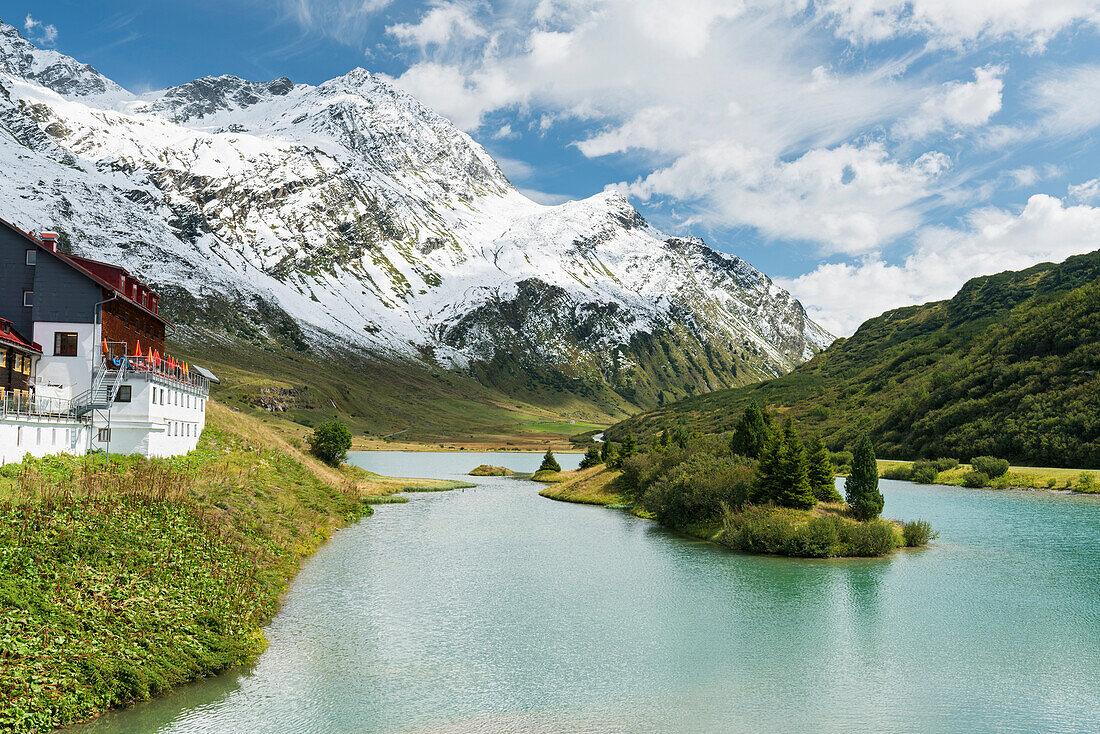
[102,393]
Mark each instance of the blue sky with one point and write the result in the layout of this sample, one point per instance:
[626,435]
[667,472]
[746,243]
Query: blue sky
[866,153]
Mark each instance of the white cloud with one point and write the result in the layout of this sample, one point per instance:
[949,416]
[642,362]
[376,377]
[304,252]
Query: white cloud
[958,22]
[345,20]
[44,34]
[1068,99]
[1086,192]
[958,105]
[543,197]
[442,24]
[990,240]
[849,199]
[462,97]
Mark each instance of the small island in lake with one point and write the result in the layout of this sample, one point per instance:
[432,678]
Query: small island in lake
[758,490]
[488,470]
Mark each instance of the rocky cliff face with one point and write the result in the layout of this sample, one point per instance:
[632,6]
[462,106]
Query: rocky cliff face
[349,216]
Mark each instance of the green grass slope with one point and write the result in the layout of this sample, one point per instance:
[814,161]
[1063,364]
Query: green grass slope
[1008,367]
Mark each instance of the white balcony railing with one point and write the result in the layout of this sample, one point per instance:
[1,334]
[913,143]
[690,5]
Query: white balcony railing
[16,405]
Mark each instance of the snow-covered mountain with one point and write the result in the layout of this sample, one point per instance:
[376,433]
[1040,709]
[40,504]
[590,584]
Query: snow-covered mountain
[367,222]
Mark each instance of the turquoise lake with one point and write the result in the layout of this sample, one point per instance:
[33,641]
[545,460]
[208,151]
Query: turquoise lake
[495,610]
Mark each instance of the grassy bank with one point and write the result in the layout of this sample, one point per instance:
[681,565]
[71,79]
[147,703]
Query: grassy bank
[592,486]
[123,577]
[1017,477]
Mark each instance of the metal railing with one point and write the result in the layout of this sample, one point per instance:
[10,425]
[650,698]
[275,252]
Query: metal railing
[143,367]
[17,405]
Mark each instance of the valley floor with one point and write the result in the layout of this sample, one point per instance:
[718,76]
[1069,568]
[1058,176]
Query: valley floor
[121,578]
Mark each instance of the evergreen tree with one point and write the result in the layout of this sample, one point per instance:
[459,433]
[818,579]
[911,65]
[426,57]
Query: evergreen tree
[822,474]
[680,437]
[608,454]
[629,447]
[794,488]
[591,458]
[549,462]
[664,440]
[861,487]
[751,434]
[769,468]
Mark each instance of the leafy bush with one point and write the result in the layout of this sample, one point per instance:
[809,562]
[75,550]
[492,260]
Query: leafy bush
[765,529]
[901,472]
[991,466]
[841,458]
[975,479]
[697,489]
[924,472]
[872,537]
[330,442]
[1086,483]
[1052,483]
[945,464]
[918,533]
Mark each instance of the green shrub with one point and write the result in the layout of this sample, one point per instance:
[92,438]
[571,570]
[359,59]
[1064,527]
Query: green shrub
[766,529]
[925,472]
[991,466]
[874,537]
[817,538]
[901,472]
[841,458]
[918,533]
[1086,483]
[945,464]
[1052,483]
[975,479]
[330,442]
[697,489]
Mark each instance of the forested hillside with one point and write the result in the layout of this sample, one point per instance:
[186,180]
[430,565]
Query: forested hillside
[1008,367]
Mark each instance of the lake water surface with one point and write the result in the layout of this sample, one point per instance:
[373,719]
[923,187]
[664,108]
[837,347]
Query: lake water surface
[495,610]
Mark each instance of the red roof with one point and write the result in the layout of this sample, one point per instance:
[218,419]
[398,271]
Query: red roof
[11,337]
[109,276]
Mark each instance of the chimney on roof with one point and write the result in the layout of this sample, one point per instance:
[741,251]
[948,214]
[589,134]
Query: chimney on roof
[49,239]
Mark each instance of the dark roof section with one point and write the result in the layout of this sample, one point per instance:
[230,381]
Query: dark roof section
[11,337]
[100,272]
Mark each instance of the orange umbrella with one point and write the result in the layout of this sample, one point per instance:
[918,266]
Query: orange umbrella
[149,356]
[106,350]
[137,349]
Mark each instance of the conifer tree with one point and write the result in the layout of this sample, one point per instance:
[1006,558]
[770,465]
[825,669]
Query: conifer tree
[608,454]
[769,468]
[664,440]
[591,458]
[549,462]
[751,433]
[861,487]
[794,488]
[629,447]
[822,474]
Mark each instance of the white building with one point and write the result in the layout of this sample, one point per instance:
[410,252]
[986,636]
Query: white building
[102,378]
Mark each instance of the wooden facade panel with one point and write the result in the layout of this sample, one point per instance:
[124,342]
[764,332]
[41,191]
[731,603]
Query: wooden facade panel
[124,322]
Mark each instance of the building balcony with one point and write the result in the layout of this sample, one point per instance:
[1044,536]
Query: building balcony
[31,406]
[143,368]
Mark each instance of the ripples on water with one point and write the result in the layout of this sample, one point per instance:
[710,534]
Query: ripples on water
[495,610]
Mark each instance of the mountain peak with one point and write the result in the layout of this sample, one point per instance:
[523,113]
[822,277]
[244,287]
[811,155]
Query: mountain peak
[48,68]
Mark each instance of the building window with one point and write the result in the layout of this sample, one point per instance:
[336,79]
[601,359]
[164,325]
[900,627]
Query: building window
[32,257]
[28,298]
[125,392]
[104,435]
[64,344]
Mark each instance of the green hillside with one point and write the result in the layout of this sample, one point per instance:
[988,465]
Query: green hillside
[1008,367]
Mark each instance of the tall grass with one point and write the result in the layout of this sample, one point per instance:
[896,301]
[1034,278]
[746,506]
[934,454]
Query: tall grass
[766,529]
